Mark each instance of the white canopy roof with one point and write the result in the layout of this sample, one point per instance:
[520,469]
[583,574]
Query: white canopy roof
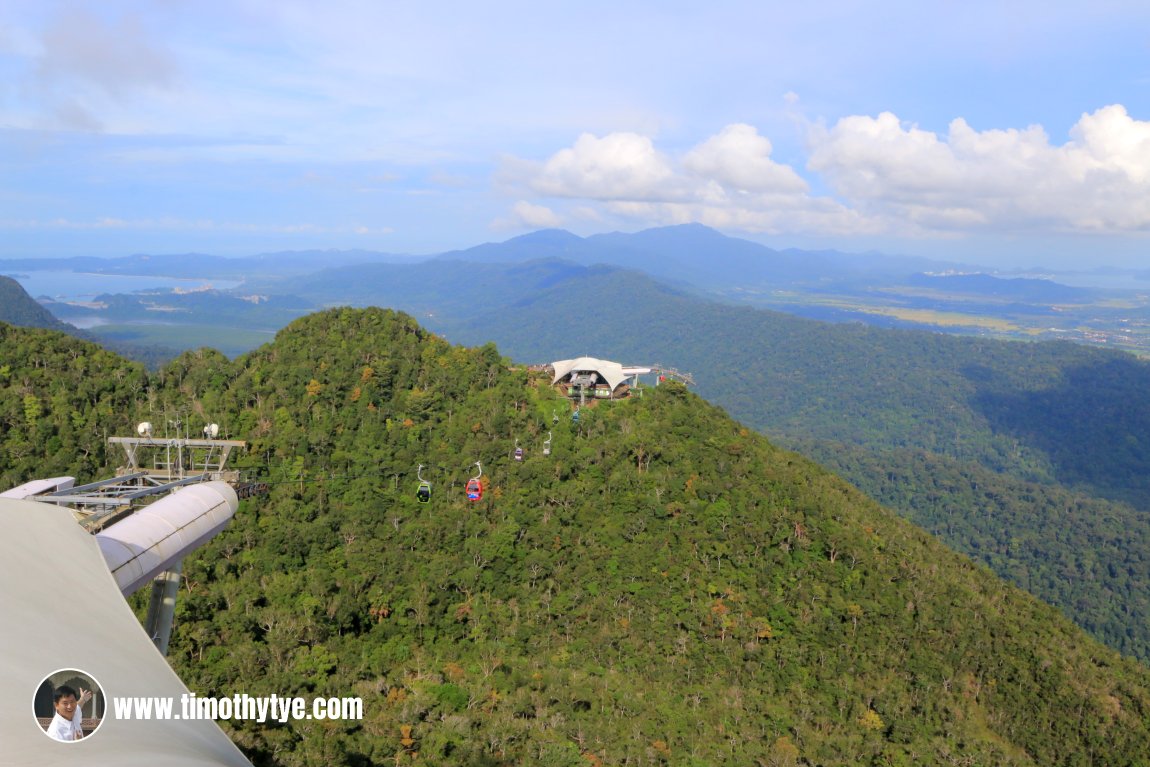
[611,372]
[63,610]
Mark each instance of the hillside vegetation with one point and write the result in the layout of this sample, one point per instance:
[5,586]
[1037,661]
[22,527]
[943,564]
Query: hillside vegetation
[1088,555]
[18,308]
[1034,410]
[1004,416]
[665,588]
[1030,457]
[62,398]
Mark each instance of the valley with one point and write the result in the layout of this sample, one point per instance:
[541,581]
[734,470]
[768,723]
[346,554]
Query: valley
[1106,318]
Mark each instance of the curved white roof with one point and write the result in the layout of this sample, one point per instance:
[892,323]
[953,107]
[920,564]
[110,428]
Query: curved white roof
[74,617]
[612,372]
[38,486]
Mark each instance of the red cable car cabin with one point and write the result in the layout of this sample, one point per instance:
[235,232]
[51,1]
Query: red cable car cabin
[474,490]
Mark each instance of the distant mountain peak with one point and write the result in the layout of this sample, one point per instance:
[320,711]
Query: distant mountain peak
[547,237]
[691,230]
[693,226]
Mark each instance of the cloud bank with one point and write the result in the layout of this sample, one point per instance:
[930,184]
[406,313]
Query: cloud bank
[881,175]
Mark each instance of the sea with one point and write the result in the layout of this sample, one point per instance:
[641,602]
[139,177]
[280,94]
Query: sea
[75,287]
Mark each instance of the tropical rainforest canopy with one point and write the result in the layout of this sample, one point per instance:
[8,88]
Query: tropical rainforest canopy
[665,588]
[1031,457]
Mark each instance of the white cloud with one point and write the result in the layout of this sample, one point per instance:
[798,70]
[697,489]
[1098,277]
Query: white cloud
[619,166]
[728,180]
[888,178]
[739,159]
[993,180]
[536,215]
[1116,142]
[526,215]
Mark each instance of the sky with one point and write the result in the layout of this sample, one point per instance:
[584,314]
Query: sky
[1008,134]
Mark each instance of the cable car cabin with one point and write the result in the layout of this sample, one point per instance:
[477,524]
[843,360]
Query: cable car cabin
[519,454]
[424,492]
[474,490]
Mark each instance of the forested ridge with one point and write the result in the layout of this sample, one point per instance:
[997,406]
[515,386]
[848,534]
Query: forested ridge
[1051,411]
[1088,555]
[1050,420]
[62,397]
[665,588]
[18,308]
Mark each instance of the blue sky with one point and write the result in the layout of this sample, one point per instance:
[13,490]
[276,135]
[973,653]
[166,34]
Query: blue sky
[1007,134]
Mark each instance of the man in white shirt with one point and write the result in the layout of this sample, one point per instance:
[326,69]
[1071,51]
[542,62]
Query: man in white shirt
[66,724]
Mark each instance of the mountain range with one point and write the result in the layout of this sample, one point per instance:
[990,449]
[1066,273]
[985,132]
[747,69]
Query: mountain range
[982,442]
[673,255]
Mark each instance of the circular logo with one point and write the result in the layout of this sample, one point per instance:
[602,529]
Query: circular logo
[68,705]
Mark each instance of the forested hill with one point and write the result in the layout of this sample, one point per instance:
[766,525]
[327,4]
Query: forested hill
[1088,555]
[1028,433]
[664,588]
[61,397]
[1050,411]
[18,308]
